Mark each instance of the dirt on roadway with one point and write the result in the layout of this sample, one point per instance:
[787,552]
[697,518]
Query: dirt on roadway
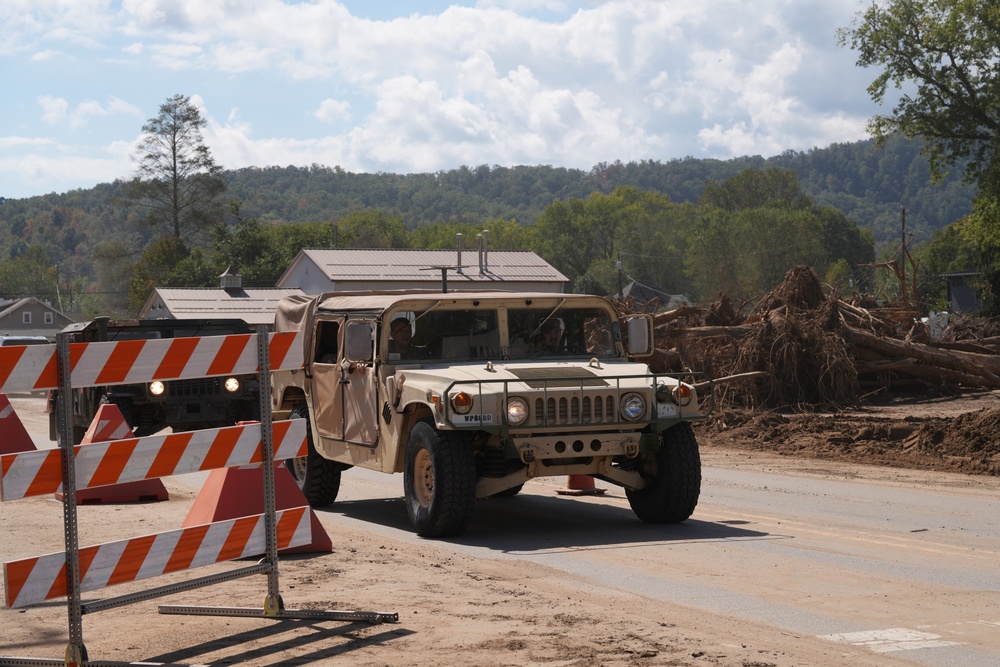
[453,609]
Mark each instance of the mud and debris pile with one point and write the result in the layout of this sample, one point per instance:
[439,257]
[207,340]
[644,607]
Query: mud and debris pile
[802,356]
[815,350]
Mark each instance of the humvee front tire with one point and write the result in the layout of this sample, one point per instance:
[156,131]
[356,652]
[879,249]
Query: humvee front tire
[439,481]
[318,478]
[675,478]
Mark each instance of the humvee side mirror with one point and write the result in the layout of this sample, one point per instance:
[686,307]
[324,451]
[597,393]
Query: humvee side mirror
[640,335]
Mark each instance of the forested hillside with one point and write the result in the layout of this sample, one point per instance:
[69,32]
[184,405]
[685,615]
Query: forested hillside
[869,184]
[91,245]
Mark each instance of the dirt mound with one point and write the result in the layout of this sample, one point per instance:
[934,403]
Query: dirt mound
[968,443]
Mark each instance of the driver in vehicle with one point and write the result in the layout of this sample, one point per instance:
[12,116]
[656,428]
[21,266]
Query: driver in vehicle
[400,335]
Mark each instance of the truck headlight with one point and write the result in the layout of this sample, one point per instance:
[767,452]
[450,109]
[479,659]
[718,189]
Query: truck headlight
[156,388]
[517,411]
[232,385]
[461,402]
[633,406]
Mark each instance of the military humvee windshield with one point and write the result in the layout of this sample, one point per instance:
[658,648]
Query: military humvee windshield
[457,335]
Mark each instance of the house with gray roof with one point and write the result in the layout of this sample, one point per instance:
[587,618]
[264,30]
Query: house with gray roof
[31,317]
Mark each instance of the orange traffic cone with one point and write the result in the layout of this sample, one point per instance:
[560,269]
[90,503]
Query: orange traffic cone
[230,493]
[580,485]
[14,437]
[109,424]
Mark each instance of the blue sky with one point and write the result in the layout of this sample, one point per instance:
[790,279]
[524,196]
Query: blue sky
[421,86]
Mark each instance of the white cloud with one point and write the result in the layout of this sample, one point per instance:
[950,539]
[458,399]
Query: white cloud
[563,82]
[333,110]
[18,142]
[54,109]
[57,111]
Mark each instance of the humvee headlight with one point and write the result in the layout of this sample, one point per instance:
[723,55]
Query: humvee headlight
[681,394]
[232,385]
[633,406]
[461,402]
[517,411]
[156,388]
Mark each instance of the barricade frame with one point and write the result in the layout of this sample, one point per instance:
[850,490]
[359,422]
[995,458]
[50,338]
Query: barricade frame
[273,607]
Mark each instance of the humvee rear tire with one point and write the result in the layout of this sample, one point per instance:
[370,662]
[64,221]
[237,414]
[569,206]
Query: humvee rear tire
[439,481]
[675,478]
[318,478]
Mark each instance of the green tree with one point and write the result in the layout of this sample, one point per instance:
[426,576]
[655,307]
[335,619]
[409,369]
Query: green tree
[745,253]
[945,56]
[31,273]
[948,250]
[574,234]
[371,229]
[757,188]
[157,267]
[177,183]
[503,235]
[261,252]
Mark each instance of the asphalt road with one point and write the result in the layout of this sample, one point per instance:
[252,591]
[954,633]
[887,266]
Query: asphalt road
[904,564]
[910,570]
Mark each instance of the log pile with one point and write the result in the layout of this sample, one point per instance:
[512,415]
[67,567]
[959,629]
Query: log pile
[818,350]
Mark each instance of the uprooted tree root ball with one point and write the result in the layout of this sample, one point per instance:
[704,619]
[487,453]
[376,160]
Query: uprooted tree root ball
[820,353]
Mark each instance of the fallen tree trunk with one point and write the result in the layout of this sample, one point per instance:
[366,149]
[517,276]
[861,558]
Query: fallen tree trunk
[986,367]
[705,332]
[934,374]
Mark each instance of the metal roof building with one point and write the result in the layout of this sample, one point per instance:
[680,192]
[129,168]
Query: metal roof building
[340,270]
[252,305]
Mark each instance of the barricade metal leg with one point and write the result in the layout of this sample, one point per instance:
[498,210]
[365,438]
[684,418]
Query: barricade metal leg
[273,605]
[311,614]
[76,652]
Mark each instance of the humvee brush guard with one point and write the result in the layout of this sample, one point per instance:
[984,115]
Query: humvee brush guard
[471,394]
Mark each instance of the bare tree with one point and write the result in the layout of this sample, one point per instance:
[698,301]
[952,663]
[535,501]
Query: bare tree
[177,182]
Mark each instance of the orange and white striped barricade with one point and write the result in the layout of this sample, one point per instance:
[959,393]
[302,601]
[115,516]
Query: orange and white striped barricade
[33,580]
[66,366]
[100,464]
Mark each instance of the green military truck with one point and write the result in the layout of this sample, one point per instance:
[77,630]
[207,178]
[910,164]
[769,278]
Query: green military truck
[471,394]
[182,405]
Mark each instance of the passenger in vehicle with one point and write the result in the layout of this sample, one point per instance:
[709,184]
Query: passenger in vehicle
[549,339]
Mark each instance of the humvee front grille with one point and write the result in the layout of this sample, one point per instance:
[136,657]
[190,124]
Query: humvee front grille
[563,410]
[196,387]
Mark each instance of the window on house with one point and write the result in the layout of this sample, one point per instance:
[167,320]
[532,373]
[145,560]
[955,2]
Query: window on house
[47,317]
[25,318]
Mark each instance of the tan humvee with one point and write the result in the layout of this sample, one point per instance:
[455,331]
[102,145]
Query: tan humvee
[471,394]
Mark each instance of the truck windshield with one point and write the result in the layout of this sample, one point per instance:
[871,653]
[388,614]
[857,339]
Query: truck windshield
[444,334]
[565,332]
[457,335]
